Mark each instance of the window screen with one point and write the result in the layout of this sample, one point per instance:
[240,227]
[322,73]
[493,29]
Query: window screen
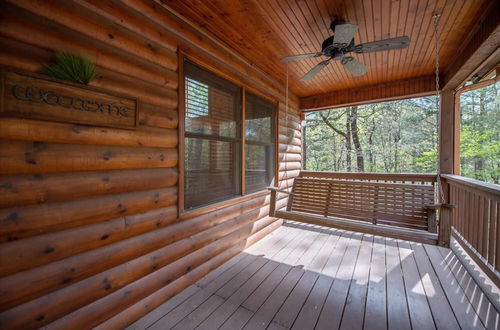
[212,137]
[259,142]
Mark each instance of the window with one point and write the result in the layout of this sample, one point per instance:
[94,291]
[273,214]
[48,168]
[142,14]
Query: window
[212,137]
[213,142]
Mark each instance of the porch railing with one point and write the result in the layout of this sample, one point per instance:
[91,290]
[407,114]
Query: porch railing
[475,220]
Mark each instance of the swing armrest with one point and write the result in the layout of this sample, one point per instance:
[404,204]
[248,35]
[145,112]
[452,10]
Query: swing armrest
[440,205]
[272,203]
[283,191]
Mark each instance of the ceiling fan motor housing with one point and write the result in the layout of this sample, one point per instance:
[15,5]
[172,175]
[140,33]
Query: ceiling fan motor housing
[329,49]
[336,22]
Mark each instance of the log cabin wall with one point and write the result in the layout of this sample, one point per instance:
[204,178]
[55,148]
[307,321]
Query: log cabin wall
[90,232]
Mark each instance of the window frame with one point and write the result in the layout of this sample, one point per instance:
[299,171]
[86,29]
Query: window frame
[245,88]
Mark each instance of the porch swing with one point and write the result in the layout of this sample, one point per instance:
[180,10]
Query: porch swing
[401,206]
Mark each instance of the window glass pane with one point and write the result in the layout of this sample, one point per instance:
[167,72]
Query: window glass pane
[210,171]
[212,137]
[259,150]
[259,119]
[259,165]
[212,104]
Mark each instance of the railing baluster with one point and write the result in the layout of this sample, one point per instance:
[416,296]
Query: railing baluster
[476,221]
[497,237]
[468,211]
[464,216]
[480,224]
[492,233]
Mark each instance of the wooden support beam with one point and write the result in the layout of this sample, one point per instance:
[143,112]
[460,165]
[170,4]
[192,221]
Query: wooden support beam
[449,161]
[445,216]
[394,90]
[480,48]
[449,157]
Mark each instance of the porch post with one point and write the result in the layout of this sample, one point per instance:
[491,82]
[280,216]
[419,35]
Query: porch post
[448,136]
[448,158]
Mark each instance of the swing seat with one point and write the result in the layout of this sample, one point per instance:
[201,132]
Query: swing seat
[399,210]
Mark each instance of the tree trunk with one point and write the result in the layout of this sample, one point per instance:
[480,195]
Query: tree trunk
[346,135]
[397,138]
[370,143]
[348,145]
[360,161]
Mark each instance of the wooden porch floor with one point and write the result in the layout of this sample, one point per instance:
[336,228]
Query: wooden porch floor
[304,277]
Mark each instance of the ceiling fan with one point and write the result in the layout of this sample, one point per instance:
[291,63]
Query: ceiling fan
[341,43]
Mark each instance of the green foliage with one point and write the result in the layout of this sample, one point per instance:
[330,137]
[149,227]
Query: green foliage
[71,67]
[480,134]
[398,136]
[401,136]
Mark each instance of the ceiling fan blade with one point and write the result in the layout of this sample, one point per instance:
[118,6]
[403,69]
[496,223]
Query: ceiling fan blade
[344,33]
[387,44]
[355,67]
[299,57]
[315,70]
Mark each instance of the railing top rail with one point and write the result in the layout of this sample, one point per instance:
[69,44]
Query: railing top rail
[371,176]
[487,187]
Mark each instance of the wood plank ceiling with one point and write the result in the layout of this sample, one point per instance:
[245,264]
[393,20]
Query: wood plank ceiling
[263,31]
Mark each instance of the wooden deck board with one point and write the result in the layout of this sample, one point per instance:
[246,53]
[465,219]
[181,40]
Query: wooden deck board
[353,315]
[238,320]
[310,277]
[398,316]
[309,313]
[297,246]
[249,264]
[262,293]
[464,312]
[199,314]
[486,309]
[438,303]
[376,298]
[291,307]
[331,314]
[420,313]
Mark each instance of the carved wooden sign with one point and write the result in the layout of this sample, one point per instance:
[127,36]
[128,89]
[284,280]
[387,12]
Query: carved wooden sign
[37,97]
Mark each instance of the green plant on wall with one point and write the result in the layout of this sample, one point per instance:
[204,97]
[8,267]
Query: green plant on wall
[71,67]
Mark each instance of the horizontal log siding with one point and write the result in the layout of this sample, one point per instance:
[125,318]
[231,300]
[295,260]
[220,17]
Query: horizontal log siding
[90,231]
